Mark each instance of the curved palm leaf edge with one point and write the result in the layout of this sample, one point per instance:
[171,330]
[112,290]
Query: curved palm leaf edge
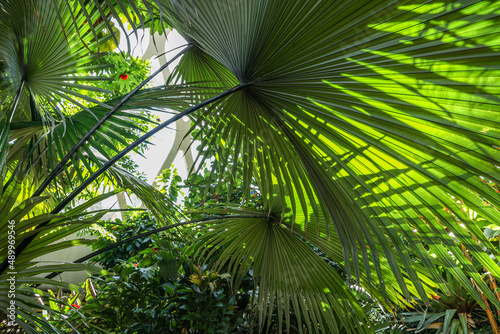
[377,120]
[40,60]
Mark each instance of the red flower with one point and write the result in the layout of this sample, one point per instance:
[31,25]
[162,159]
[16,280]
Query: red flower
[136,264]
[75,305]
[124,76]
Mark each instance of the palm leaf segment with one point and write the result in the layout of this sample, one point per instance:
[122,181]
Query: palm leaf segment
[26,266]
[52,144]
[383,115]
[288,272]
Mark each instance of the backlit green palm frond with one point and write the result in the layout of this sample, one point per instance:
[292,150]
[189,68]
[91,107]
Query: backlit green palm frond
[200,71]
[40,58]
[388,108]
[16,224]
[224,239]
[384,286]
[159,204]
[46,55]
[130,16]
[288,273]
[196,66]
[52,143]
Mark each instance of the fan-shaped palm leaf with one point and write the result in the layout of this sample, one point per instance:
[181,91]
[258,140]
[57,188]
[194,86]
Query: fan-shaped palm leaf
[45,54]
[378,114]
[41,52]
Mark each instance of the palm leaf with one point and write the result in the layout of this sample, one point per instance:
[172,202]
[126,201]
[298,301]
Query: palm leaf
[120,129]
[382,111]
[51,144]
[289,275]
[39,58]
[160,205]
[130,15]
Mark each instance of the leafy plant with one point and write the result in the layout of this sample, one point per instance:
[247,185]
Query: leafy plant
[367,126]
[19,221]
[37,143]
[451,313]
[134,225]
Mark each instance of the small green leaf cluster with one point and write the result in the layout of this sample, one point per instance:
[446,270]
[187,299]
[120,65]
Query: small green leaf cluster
[206,192]
[122,63]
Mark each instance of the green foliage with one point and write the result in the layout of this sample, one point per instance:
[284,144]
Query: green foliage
[120,63]
[455,312]
[63,303]
[47,61]
[45,50]
[368,127]
[343,116]
[110,66]
[17,222]
[169,181]
[160,290]
[110,233]
[115,64]
[206,188]
[395,329]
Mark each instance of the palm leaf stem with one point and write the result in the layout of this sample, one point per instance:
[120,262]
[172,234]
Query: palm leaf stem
[488,309]
[19,249]
[16,100]
[145,234]
[60,166]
